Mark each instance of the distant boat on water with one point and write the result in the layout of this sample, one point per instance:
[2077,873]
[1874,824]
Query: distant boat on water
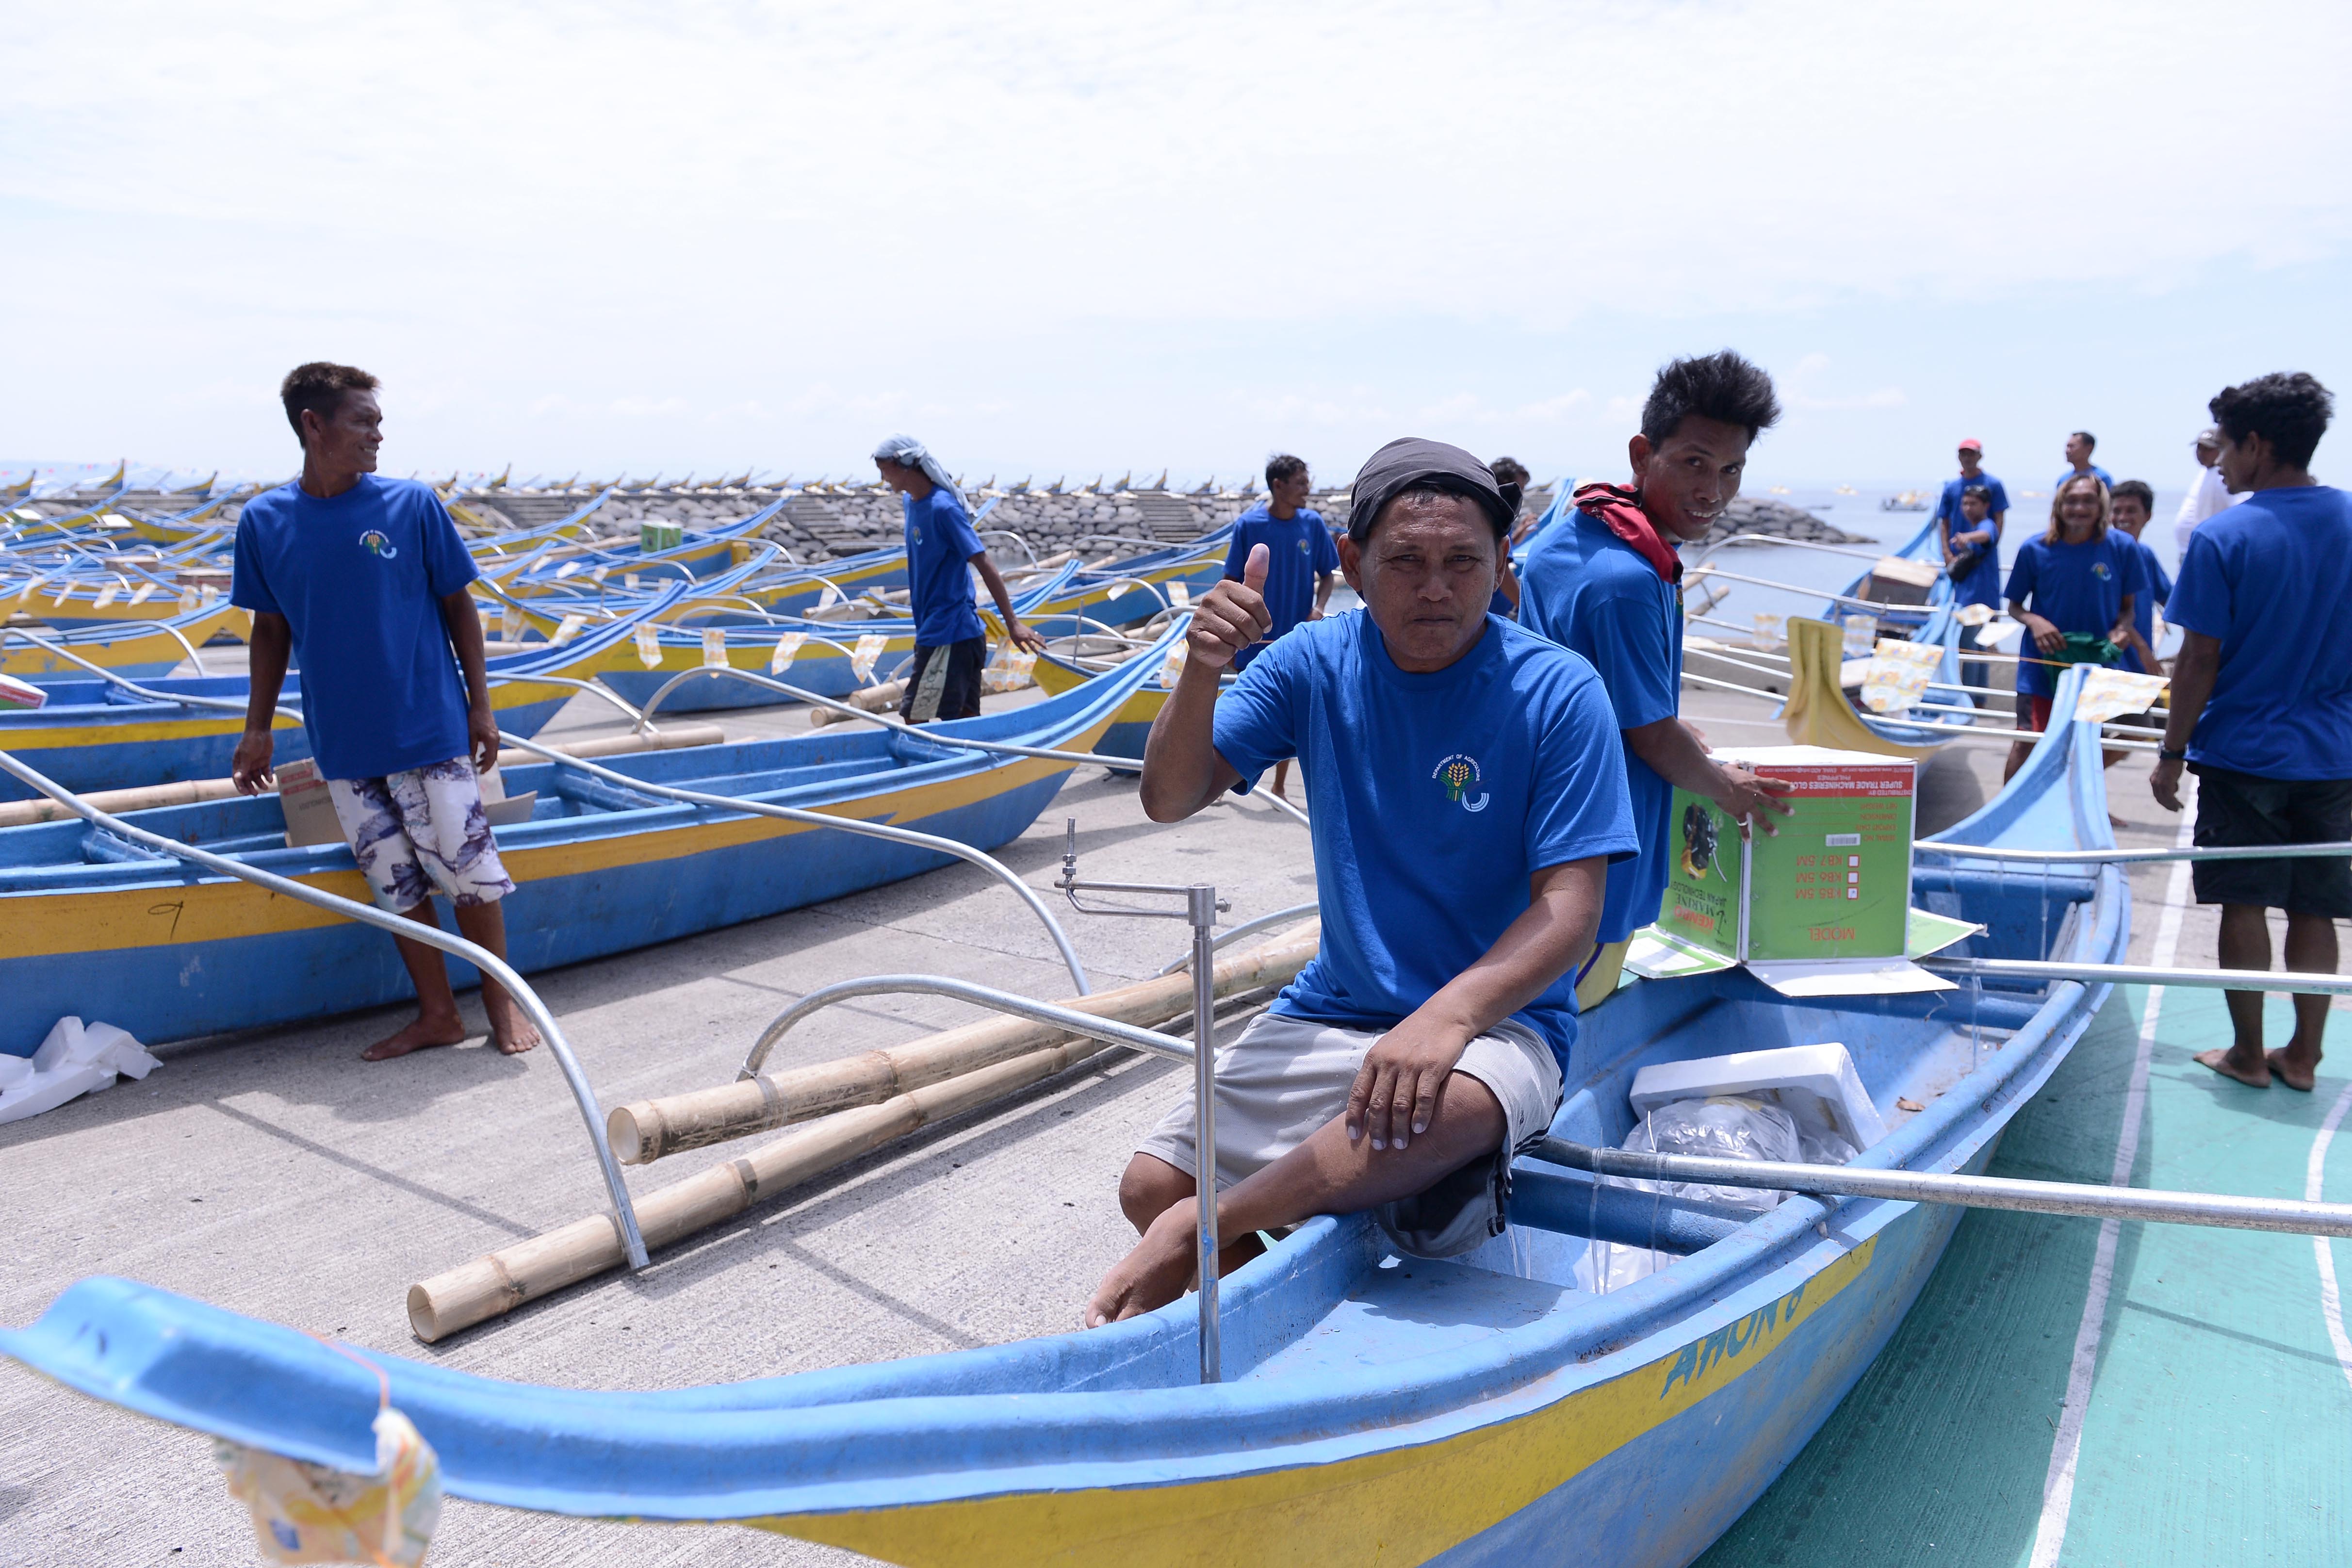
[1909,501]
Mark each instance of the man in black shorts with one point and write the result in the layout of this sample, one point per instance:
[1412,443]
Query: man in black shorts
[942,553]
[2261,707]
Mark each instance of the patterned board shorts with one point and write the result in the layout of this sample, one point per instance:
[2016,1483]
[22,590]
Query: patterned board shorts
[420,831]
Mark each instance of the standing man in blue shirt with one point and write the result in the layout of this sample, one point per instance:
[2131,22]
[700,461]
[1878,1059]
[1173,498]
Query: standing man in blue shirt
[2079,447]
[1973,548]
[942,551]
[1605,582]
[1302,563]
[364,579]
[1466,795]
[2262,707]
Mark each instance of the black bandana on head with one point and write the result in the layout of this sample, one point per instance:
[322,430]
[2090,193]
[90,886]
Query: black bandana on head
[1410,461]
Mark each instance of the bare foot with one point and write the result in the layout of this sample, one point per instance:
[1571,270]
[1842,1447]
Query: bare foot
[1154,1274]
[512,1029]
[416,1037]
[2285,1071]
[2256,1077]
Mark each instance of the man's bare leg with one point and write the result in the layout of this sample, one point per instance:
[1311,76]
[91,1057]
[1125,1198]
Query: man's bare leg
[1151,1186]
[436,1022]
[2310,950]
[511,1030]
[2018,752]
[1282,778]
[2246,944]
[1327,1173]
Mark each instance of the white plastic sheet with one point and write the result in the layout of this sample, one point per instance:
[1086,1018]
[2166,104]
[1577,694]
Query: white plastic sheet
[74,1060]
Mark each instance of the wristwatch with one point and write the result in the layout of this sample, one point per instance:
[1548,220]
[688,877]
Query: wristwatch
[2167,754]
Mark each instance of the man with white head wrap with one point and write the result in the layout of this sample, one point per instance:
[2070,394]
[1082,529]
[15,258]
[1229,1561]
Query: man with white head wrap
[942,550]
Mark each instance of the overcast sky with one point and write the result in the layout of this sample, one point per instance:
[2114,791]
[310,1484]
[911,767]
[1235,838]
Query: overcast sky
[1061,238]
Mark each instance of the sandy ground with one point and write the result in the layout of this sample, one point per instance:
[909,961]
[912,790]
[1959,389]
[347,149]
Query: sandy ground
[275,1174]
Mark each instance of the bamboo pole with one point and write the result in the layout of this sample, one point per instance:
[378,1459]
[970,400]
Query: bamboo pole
[649,1129]
[192,791]
[497,1284]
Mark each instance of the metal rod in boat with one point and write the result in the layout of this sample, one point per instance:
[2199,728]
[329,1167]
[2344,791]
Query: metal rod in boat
[1201,907]
[2308,984]
[2224,1211]
[482,959]
[1111,1031]
[1704,571]
[2133,856]
[1234,933]
[1744,539]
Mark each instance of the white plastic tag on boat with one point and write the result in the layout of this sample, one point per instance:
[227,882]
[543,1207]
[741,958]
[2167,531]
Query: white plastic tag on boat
[1861,631]
[568,628]
[2112,693]
[211,593]
[787,647]
[1180,593]
[566,570]
[106,595]
[1172,666]
[862,657]
[601,573]
[510,623]
[829,598]
[1768,627]
[714,649]
[15,693]
[188,598]
[1898,676]
[146,591]
[649,648]
[2002,634]
[629,580]
[309,1513]
[1973,615]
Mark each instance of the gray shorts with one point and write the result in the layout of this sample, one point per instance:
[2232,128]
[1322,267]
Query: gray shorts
[1284,1078]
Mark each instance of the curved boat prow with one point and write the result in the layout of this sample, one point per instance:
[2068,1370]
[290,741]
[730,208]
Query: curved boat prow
[1817,712]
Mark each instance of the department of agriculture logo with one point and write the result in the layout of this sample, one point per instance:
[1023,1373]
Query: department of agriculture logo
[1304,548]
[375,544]
[2099,570]
[1457,773]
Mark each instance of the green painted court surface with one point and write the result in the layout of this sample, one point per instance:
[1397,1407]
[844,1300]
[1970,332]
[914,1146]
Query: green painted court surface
[2220,1421]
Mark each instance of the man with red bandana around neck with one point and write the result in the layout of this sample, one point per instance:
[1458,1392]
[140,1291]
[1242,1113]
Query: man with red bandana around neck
[1608,586]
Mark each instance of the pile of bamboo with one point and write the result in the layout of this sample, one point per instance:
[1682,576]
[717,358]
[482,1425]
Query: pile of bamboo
[857,1105]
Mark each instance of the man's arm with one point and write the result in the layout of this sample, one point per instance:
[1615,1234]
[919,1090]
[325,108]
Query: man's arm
[267,652]
[464,623]
[1323,587]
[1674,754]
[1020,635]
[1395,1093]
[2194,669]
[2125,633]
[1181,769]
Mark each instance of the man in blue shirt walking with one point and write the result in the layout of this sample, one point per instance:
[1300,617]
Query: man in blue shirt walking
[1302,563]
[1605,582]
[1467,795]
[2079,447]
[364,580]
[2261,707]
[942,551]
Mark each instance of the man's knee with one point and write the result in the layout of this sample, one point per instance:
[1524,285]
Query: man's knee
[1148,1188]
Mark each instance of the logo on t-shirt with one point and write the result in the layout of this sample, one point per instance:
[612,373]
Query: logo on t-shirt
[1457,773]
[375,544]
[2099,570]
[1304,548]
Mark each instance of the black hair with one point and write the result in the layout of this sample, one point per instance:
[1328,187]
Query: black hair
[1431,488]
[318,388]
[2140,489]
[2090,442]
[1511,471]
[1721,387]
[1283,465]
[1977,493]
[2288,409]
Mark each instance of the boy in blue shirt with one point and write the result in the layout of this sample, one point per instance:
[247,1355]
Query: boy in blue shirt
[943,552]
[364,579]
[1605,582]
[2082,580]
[2262,707]
[2130,505]
[1467,795]
[1302,563]
[1972,548]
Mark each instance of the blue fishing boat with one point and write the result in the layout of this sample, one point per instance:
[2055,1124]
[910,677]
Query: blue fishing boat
[1374,1408]
[92,923]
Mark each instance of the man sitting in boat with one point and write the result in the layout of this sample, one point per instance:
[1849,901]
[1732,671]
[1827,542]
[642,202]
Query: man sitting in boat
[951,649]
[1605,582]
[1468,793]
[364,579]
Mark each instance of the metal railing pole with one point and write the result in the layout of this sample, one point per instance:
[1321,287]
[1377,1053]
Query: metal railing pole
[2137,857]
[1111,1031]
[2308,984]
[1202,907]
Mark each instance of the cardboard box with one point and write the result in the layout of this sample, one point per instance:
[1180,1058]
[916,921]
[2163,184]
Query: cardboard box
[1834,883]
[653,536]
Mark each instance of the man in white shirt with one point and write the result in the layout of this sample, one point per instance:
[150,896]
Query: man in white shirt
[2206,496]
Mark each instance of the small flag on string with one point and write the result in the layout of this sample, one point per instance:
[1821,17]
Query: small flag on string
[787,646]
[714,649]
[649,651]
[862,657]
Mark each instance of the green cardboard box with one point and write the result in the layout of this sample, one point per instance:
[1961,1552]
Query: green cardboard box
[653,536]
[1834,883]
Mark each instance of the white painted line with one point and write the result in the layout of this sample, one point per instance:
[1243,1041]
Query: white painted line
[2058,1486]
[2331,1305]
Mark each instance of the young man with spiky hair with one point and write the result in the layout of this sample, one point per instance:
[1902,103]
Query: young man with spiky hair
[1605,582]
[364,578]
[2262,707]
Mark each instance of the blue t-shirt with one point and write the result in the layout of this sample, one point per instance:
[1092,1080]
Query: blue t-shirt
[1592,593]
[2155,589]
[1434,798]
[2270,579]
[940,548]
[2104,476]
[1298,550]
[1982,586]
[360,578]
[2074,587]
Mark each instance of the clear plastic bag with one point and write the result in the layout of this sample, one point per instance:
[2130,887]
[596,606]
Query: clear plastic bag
[1728,1127]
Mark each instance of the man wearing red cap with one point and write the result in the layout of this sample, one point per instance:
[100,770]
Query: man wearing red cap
[1973,548]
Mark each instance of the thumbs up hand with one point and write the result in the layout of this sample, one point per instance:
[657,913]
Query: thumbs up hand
[1231,616]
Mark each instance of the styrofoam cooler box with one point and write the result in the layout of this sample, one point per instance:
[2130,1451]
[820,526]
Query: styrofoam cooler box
[1815,1084]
